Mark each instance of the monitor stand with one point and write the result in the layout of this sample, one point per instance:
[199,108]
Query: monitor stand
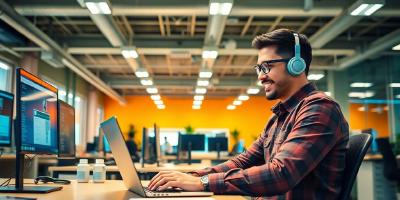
[218,151]
[190,153]
[19,181]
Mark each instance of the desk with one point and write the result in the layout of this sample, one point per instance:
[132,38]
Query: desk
[371,183]
[150,169]
[111,189]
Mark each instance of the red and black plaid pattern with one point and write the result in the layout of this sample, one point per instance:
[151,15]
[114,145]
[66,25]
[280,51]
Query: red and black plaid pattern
[299,155]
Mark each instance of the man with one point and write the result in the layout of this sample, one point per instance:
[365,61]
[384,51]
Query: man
[301,152]
[131,145]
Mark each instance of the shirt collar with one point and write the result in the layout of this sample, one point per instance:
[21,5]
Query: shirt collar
[291,103]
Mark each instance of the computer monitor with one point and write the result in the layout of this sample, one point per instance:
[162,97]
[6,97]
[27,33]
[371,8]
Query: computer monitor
[145,150]
[36,126]
[66,125]
[218,144]
[190,142]
[6,117]
[157,145]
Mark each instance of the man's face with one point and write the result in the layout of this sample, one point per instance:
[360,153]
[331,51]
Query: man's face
[277,82]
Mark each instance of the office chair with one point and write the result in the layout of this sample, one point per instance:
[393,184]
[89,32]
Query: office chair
[390,170]
[358,147]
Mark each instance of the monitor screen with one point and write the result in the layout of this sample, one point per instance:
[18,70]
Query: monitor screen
[37,128]
[106,145]
[196,141]
[6,115]
[66,126]
[218,144]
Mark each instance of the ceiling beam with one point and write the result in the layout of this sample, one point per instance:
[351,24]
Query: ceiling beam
[25,27]
[276,22]
[110,30]
[247,25]
[188,8]
[192,51]
[306,24]
[332,29]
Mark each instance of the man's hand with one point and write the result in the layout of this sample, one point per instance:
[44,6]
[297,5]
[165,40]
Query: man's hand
[167,179]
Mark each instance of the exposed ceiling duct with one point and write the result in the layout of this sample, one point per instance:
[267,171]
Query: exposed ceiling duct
[388,41]
[20,23]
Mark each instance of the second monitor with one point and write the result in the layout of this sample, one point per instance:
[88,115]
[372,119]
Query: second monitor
[66,125]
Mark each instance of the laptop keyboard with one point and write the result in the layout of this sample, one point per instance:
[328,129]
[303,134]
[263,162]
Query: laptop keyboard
[161,193]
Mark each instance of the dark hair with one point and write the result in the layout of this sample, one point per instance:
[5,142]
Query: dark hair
[284,40]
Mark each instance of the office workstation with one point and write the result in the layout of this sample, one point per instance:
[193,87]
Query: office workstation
[211,99]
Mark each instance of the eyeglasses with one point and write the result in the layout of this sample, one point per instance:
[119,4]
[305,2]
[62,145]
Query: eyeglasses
[265,67]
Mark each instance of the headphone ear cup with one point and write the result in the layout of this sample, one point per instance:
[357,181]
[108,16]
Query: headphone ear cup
[296,66]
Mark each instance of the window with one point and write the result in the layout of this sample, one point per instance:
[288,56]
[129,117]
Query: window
[5,77]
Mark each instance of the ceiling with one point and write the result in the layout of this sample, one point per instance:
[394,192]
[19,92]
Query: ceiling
[170,35]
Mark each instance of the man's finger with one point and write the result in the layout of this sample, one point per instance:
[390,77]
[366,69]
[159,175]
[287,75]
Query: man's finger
[169,184]
[158,179]
[153,180]
[163,181]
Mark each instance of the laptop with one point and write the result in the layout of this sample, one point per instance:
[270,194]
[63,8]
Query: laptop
[127,168]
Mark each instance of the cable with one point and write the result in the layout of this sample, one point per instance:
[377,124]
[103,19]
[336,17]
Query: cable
[26,164]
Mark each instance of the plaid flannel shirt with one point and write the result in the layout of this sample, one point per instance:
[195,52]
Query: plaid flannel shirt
[299,155]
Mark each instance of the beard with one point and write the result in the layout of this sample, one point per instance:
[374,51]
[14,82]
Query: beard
[276,89]
[272,96]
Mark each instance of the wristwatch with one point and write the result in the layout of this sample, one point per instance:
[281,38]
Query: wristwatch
[204,181]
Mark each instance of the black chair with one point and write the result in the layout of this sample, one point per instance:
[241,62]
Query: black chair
[358,147]
[390,169]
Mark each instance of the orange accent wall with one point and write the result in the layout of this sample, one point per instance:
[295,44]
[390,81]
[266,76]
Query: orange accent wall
[368,119]
[249,118]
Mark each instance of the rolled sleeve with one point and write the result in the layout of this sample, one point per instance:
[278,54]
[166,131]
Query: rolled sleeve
[216,182]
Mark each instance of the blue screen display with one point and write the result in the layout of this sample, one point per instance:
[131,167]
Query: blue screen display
[6,111]
[38,117]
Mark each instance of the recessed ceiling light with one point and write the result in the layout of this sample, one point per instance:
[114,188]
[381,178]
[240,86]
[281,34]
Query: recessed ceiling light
[146,82]
[365,7]
[396,48]
[362,95]
[394,85]
[142,73]
[253,90]
[98,6]
[198,97]
[231,107]
[152,90]
[243,97]
[203,82]
[361,84]
[161,107]
[315,77]
[201,90]
[237,102]
[158,102]
[196,107]
[155,97]
[197,102]
[220,7]
[129,52]
[205,73]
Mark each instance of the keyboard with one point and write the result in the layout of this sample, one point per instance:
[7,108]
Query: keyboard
[168,192]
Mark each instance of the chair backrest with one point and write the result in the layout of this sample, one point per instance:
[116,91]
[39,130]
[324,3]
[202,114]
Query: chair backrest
[358,147]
